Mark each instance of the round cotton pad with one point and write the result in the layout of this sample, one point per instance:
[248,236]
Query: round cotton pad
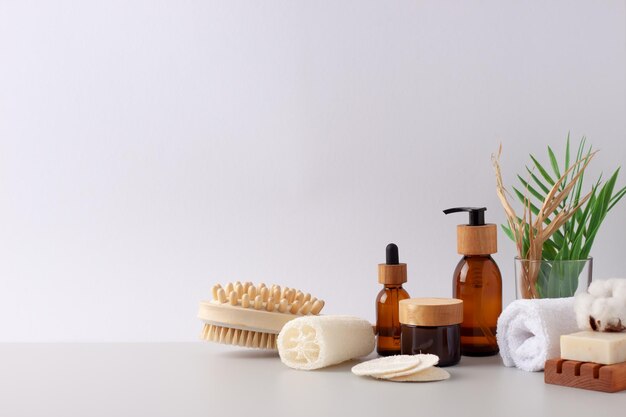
[429,374]
[386,365]
[426,361]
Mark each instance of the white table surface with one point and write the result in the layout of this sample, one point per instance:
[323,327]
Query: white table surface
[204,379]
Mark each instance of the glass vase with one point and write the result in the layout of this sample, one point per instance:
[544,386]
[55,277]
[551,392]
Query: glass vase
[552,279]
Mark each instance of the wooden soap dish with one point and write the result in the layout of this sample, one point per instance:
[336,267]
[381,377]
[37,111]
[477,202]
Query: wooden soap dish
[586,375]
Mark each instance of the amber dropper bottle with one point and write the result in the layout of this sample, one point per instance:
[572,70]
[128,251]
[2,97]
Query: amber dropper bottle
[477,281]
[392,274]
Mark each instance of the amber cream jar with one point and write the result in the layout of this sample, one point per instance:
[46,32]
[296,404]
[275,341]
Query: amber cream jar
[432,325]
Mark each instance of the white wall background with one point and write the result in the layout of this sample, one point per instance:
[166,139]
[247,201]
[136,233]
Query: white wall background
[151,149]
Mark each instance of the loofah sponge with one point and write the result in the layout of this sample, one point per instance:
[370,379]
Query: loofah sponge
[313,342]
[603,308]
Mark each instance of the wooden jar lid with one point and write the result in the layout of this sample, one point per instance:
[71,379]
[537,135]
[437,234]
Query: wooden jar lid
[477,240]
[431,311]
[392,274]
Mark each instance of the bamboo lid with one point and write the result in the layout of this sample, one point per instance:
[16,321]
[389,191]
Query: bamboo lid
[431,311]
[392,274]
[476,240]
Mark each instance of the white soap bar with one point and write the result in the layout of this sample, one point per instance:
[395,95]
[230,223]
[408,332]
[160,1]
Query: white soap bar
[599,347]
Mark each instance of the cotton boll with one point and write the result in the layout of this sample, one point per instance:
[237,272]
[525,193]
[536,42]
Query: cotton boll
[599,311]
[604,307]
[616,308]
[582,306]
[601,289]
[619,290]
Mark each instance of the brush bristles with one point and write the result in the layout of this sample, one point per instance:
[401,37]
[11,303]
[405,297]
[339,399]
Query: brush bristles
[238,337]
[274,298]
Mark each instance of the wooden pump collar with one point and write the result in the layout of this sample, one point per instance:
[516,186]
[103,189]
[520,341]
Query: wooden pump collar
[476,240]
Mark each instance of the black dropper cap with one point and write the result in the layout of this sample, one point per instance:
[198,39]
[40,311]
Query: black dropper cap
[392,257]
[392,272]
[476,214]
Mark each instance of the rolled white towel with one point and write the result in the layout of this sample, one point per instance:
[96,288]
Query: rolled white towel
[529,331]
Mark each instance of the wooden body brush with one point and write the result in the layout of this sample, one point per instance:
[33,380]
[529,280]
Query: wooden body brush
[244,315]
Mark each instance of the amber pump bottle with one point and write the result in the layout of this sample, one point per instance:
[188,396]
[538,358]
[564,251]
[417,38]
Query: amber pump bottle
[392,274]
[477,281]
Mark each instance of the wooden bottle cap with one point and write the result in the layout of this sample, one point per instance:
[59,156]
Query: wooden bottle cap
[392,274]
[431,311]
[476,240]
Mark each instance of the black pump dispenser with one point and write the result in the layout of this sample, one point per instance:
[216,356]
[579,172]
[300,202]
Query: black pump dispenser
[476,214]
